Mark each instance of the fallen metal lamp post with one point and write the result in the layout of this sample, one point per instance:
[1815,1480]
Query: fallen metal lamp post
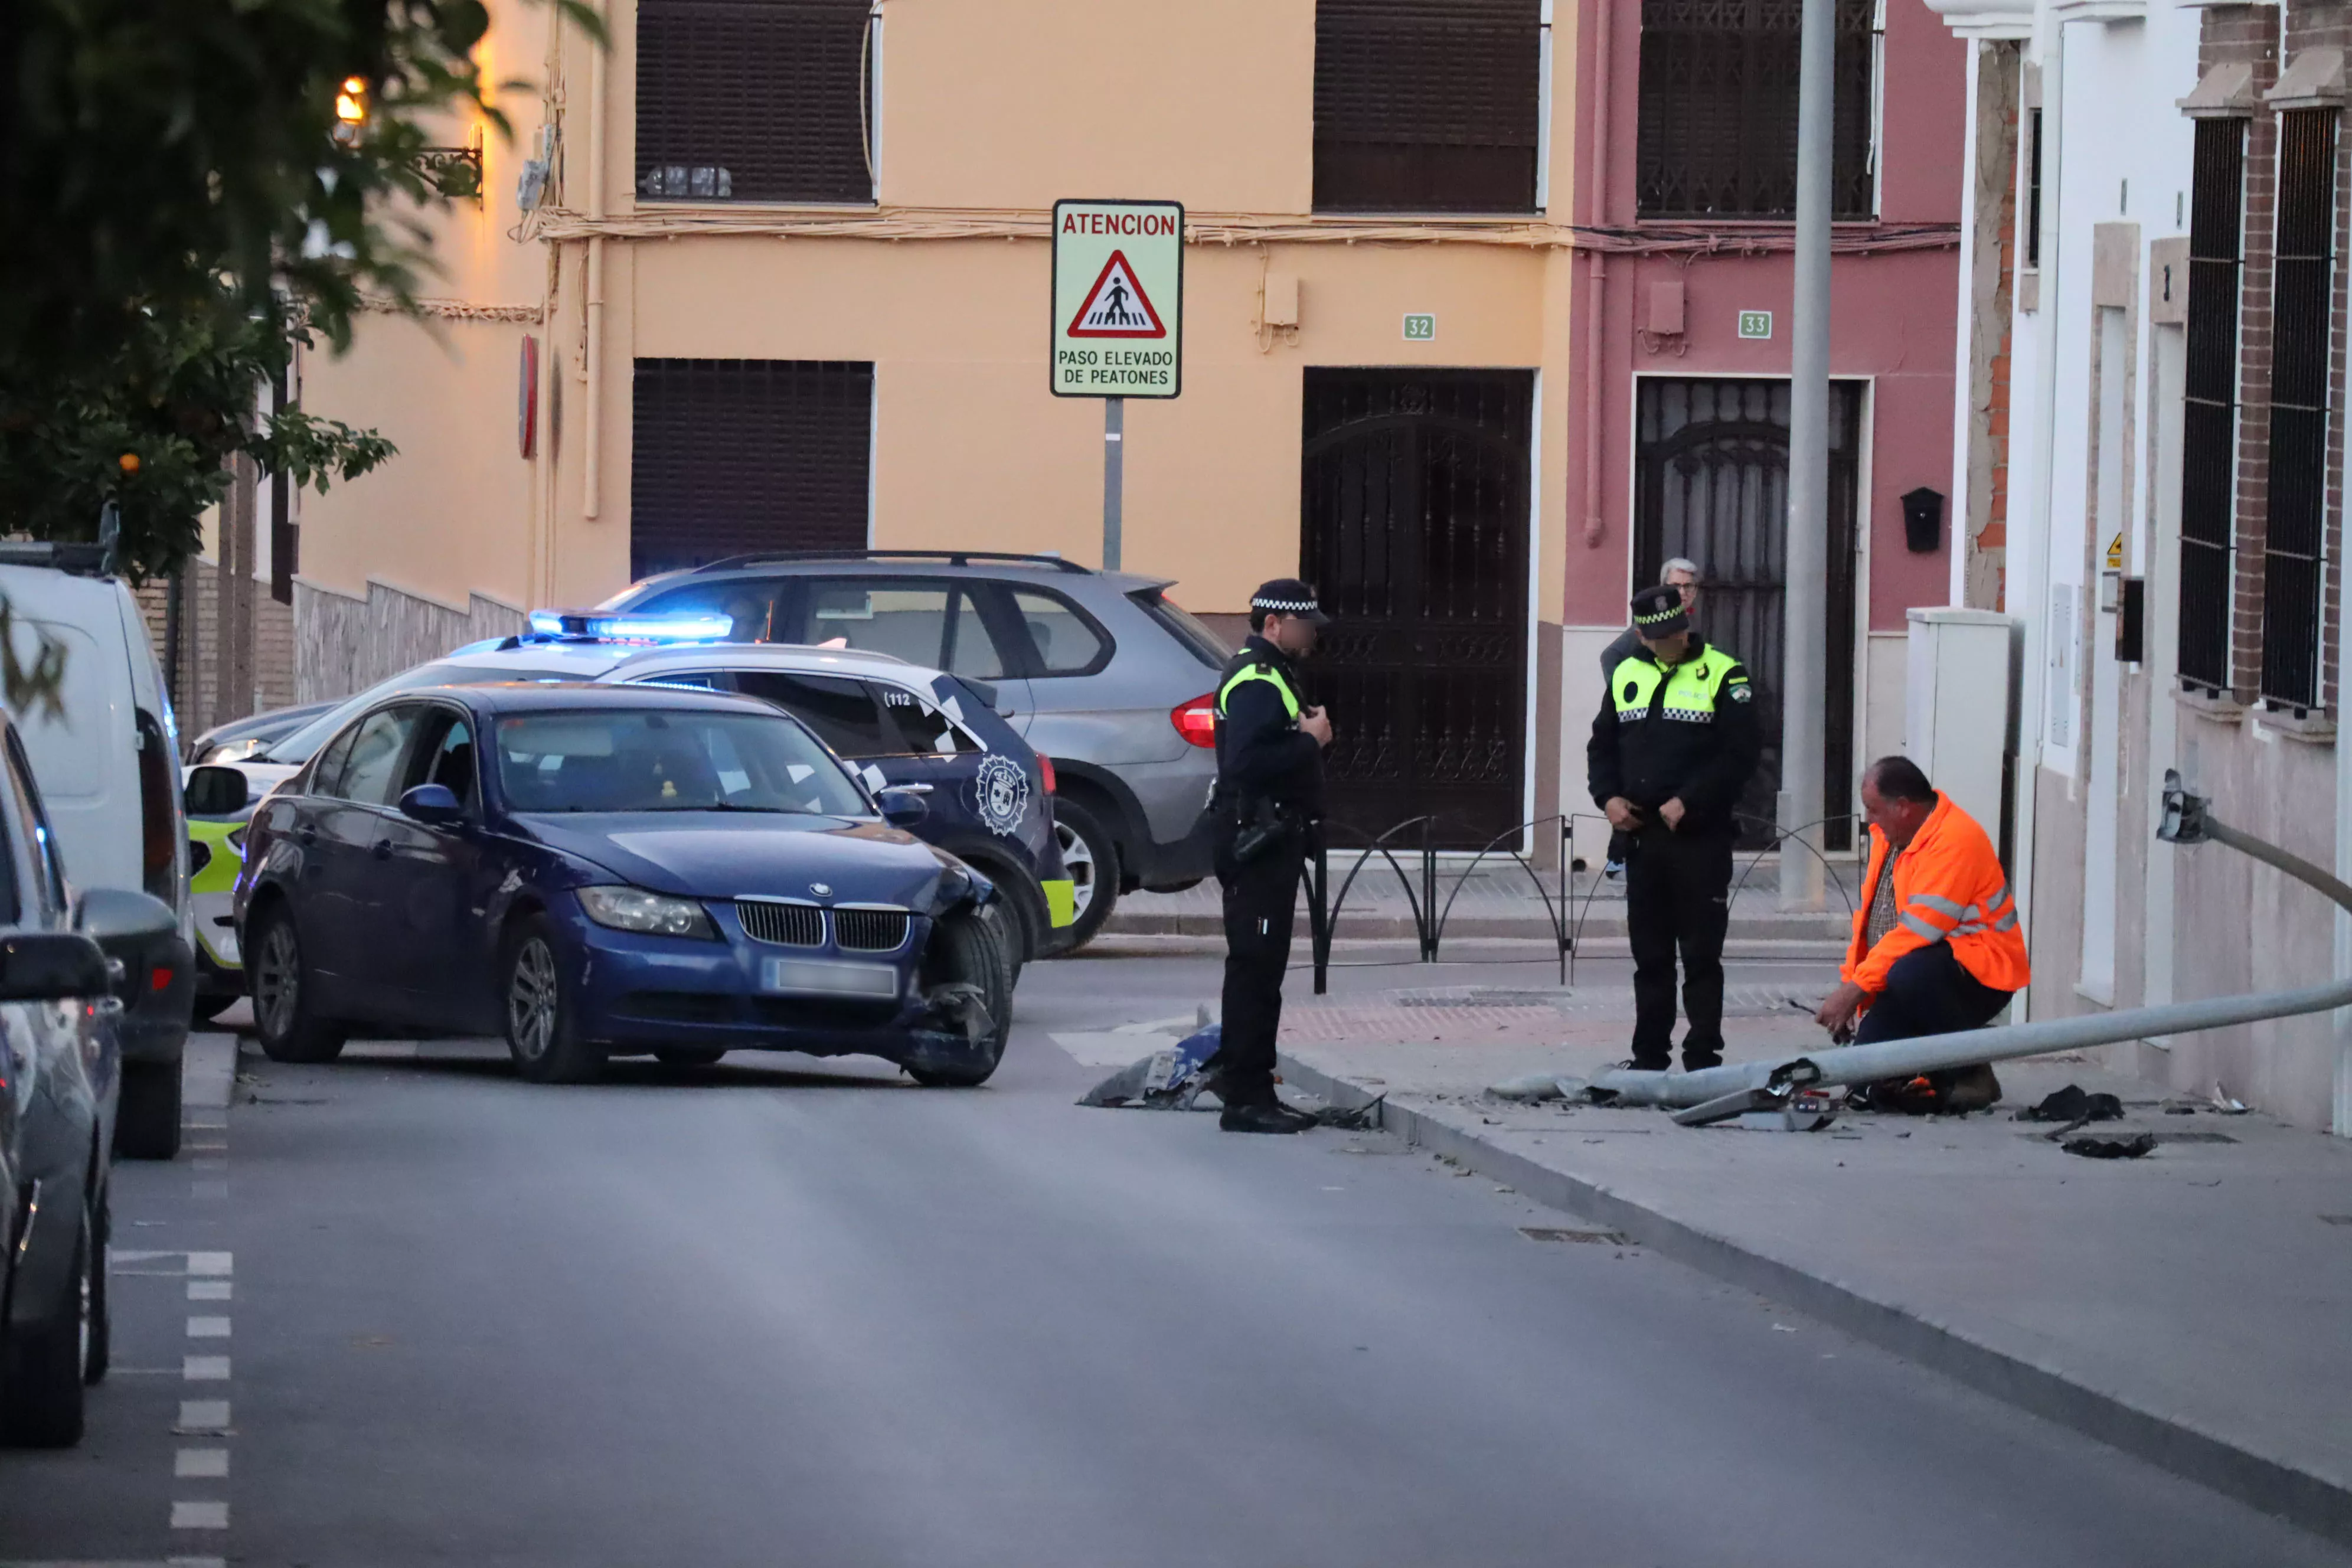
[1758,1085]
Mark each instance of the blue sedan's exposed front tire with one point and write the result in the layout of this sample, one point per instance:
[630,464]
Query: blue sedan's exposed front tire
[971,947]
[541,1017]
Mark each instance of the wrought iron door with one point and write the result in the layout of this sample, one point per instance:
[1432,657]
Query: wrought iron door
[1413,528]
[1711,485]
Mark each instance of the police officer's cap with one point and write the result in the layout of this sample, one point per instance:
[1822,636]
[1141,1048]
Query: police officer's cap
[1658,611]
[1290,596]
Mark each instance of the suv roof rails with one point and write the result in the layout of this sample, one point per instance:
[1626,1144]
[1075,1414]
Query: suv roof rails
[63,556]
[952,557]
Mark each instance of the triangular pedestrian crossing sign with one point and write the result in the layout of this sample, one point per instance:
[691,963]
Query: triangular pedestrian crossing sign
[1116,306]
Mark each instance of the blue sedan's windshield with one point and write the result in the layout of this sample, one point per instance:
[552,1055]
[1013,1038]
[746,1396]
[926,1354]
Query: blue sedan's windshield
[669,759]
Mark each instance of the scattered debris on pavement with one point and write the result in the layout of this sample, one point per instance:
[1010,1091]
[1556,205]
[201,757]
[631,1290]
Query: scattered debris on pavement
[1169,1079]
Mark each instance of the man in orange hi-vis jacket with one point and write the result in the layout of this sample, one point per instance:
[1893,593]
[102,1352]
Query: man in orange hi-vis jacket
[1936,946]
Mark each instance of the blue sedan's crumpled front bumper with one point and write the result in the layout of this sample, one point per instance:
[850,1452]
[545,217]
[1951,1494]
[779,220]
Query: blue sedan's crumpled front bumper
[641,993]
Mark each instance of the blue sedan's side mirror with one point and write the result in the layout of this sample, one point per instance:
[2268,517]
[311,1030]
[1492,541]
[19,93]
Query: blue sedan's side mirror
[902,807]
[433,803]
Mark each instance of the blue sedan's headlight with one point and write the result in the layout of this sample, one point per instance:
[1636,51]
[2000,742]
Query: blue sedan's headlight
[656,914]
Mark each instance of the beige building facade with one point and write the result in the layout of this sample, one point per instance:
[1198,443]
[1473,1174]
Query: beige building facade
[930,298]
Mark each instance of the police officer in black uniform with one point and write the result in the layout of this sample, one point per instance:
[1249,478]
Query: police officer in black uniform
[1267,802]
[1673,745]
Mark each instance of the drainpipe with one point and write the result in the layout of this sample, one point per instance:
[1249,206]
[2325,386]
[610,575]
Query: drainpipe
[593,462]
[2341,1123]
[2186,822]
[1598,329]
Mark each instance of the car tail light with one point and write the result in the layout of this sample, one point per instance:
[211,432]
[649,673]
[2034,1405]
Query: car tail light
[1197,721]
[160,977]
[1045,765]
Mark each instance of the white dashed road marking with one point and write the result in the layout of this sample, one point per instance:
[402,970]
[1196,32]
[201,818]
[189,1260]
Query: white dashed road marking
[208,1289]
[200,1464]
[200,1516]
[203,1418]
[204,1368]
[207,1328]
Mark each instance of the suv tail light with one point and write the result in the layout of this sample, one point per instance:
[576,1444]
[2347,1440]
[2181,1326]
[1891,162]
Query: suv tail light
[1197,721]
[1045,765]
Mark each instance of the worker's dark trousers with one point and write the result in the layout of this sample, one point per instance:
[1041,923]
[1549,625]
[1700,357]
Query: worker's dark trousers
[1261,899]
[1677,892]
[1929,993]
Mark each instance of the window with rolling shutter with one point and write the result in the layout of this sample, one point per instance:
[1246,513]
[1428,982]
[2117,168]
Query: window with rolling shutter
[2295,561]
[730,457]
[1717,126]
[1426,105]
[2208,434]
[753,100]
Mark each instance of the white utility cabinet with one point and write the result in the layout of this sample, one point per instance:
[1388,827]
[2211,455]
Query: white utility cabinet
[1956,704]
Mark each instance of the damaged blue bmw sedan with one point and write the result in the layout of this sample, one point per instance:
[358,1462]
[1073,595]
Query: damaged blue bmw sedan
[593,871]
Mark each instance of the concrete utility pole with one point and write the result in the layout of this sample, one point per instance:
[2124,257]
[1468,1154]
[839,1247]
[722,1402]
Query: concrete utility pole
[1805,662]
[1114,478]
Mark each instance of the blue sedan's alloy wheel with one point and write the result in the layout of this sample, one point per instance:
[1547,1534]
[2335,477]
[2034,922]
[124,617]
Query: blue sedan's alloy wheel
[546,1047]
[282,992]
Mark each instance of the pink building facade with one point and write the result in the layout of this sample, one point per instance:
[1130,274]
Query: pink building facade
[1677,426]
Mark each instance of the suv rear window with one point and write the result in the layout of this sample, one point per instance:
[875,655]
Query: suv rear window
[1203,644]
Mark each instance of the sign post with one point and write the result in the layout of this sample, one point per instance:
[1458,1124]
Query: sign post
[1117,322]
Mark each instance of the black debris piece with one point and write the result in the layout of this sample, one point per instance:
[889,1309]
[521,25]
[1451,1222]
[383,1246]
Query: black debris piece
[2072,1106]
[1359,1119]
[2110,1146]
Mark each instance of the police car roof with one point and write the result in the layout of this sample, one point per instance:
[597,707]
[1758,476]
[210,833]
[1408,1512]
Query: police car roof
[594,659]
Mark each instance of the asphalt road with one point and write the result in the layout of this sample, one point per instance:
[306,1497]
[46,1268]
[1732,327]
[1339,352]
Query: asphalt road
[782,1311]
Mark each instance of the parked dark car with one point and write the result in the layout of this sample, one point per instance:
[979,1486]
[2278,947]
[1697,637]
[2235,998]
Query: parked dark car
[597,870]
[59,1054]
[239,739]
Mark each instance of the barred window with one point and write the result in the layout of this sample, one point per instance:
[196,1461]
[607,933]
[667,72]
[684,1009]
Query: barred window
[754,100]
[730,457]
[2209,436]
[1717,131]
[2295,561]
[1426,105]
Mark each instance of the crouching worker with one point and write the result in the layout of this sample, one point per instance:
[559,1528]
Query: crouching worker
[1937,947]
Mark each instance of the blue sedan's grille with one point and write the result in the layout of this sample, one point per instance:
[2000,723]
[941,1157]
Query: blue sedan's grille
[870,930]
[791,925]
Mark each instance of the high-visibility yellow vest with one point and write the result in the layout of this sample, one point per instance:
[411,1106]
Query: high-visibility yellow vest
[1689,692]
[1258,672]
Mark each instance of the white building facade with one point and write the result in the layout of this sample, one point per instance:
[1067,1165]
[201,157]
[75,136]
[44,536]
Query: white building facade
[2149,481]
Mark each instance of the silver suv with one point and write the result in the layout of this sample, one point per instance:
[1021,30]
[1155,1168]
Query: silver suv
[1099,671]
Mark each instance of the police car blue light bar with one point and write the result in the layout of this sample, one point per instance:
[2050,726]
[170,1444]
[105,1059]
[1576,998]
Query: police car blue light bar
[684,627]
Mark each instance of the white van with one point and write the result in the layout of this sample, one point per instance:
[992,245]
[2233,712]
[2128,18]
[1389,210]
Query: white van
[108,769]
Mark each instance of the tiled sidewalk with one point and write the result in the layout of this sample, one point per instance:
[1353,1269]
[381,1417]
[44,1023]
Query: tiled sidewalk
[2188,1306]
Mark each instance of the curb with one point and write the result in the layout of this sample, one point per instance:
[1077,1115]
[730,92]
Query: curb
[1211,942]
[2269,1484]
[1803,932]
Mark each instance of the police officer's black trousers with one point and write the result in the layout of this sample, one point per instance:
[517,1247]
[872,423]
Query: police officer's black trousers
[1677,890]
[1261,901]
